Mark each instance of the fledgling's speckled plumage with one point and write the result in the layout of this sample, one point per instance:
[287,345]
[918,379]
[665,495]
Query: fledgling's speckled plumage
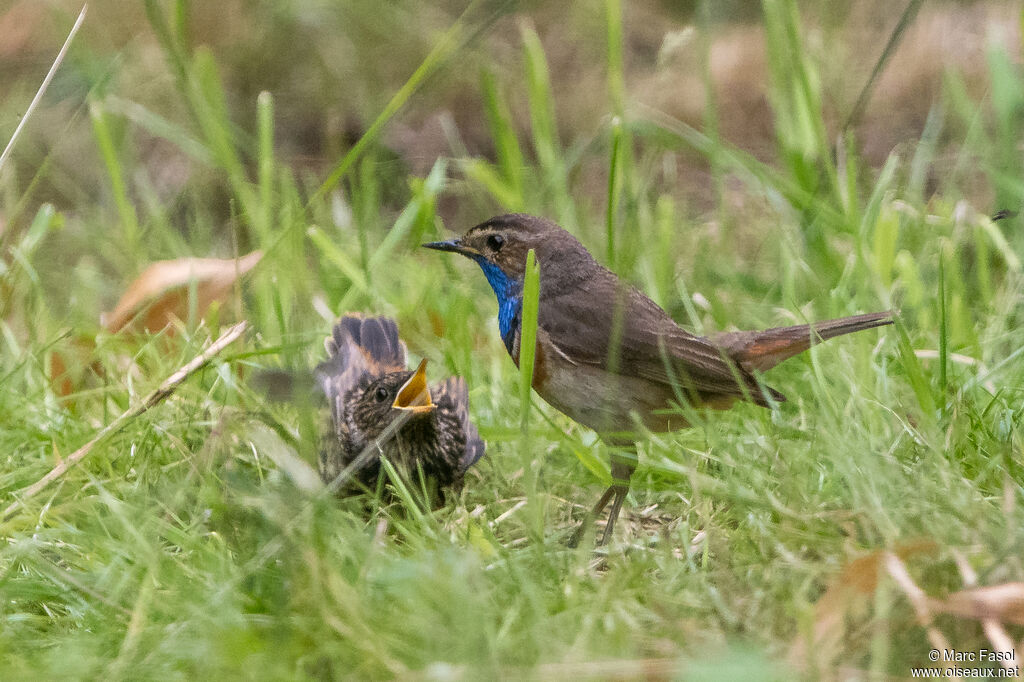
[364,372]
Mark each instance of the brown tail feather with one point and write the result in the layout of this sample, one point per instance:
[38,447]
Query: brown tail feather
[763,350]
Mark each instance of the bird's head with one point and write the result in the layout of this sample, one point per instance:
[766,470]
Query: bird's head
[377,401]
[501,243]
[500,246]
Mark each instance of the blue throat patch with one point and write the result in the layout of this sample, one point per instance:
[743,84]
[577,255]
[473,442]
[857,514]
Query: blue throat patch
[510,300]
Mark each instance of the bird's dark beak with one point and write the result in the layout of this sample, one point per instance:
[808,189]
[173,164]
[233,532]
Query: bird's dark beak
[414,396]
[453,245]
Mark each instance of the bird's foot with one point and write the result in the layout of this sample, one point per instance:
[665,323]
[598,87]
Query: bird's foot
[616,494]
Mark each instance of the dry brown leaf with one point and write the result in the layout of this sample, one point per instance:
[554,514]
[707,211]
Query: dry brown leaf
[59,377]
[851,591]
[919,601]
[994,630]
[1004,603]
[70,364]
[161,293]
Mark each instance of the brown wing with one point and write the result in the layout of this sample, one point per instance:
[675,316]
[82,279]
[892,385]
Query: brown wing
[651,345]
[456,389]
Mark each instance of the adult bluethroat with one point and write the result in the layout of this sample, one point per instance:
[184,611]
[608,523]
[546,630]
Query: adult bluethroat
[377,407]
[611,359]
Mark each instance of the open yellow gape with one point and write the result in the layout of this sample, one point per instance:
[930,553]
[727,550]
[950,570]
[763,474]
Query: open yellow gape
[414,395]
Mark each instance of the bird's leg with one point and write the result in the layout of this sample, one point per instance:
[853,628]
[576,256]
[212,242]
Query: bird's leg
[577,535]
[622,470]
[620,492]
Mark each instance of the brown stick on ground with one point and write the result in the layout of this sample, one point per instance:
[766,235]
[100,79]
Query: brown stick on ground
[157,396]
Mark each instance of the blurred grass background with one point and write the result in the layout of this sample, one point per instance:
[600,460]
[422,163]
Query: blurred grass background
[703,150]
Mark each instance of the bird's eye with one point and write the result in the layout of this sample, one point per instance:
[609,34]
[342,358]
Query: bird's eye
[495,242]
[381,395]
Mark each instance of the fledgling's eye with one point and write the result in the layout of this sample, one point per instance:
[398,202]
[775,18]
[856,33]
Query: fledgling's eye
[495,242]
[381,394]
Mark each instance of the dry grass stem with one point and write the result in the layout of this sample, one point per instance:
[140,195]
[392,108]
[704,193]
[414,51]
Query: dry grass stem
[155,398]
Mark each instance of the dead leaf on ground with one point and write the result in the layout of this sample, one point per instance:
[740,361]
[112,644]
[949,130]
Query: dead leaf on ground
[157,297]
[68,362]
[1004,603]
[160,295]
[851,592]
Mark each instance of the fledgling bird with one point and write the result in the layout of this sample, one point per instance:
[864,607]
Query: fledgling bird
[606,354]
[379,407]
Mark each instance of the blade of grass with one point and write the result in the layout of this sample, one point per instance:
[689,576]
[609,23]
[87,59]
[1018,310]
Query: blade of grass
[924,152]
[43,86]
[943,329]
[877,230]
[616,79]
[171,38]
[528,336]
[158,126]
[796,96]
[542,112]
[409,501]
[544,126]
[494,183]
[620,161]
[210,107]
[265,154]
[898,31]
[21,257]
[614,185]
[125,208]
[999,241]
[423,200]
[22,253]
[506,143]
[452,42]
[330,250]
[527,357]
[711,116]
[915,373]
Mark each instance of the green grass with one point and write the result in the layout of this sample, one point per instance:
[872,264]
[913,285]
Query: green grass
[189,545]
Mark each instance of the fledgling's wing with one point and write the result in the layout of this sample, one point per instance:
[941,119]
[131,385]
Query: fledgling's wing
[376,337]
[455,388]
[358,346]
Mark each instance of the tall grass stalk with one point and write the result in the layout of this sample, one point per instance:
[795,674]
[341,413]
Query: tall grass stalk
[614,189]
[527,357]
[444,49]
[58,60]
